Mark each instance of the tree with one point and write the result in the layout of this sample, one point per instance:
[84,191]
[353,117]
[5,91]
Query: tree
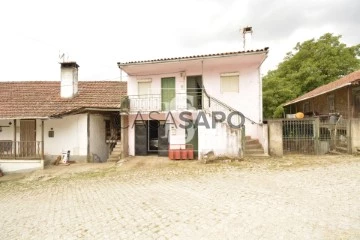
[310,65]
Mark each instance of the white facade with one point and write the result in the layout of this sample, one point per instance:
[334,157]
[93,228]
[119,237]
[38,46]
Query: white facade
[98,144]
[70,133]
[248,99]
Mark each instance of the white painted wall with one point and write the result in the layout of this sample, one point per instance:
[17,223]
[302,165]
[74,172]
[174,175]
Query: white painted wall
[12,166]
[222,140]
[7,133]
[70,134]
[98,145]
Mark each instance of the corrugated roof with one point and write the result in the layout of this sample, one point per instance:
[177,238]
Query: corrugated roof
[41,99]
[195,57]
[342,82]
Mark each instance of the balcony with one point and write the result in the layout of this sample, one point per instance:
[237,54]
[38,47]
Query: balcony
[155,102]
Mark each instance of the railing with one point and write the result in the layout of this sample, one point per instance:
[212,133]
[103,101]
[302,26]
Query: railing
[212,104]
[190,100]
[20,149]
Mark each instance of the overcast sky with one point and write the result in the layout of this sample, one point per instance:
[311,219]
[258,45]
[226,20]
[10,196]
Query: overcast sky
[98,34]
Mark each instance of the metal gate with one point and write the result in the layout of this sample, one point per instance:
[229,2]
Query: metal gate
[316,135]
[299,136]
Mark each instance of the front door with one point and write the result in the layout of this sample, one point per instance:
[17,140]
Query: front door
[141,140]
[27,138]
[168,94]
[192,138]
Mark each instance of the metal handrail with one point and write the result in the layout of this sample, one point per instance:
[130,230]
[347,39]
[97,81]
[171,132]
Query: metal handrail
[231,109]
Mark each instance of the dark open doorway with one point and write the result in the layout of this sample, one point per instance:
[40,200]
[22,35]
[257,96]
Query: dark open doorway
[194,92]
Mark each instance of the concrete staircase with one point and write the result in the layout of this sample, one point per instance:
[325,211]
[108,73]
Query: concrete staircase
[115,153]
[253,147]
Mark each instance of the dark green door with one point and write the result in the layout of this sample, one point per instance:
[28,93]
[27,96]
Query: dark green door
[192,138]
[167,94]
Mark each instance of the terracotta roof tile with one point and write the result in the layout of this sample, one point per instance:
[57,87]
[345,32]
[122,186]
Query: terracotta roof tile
[38,99]
[194,56]
[342,82]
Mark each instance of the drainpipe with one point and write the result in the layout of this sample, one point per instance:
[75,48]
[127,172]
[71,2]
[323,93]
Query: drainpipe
[260,92]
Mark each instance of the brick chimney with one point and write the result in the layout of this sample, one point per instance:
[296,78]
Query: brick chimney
[69,79]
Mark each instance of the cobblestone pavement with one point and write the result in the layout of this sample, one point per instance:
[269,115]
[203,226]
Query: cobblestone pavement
[225,201]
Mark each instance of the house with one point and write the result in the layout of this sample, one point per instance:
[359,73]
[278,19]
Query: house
[39,120]
[341,96]
[207,103]
[334,109]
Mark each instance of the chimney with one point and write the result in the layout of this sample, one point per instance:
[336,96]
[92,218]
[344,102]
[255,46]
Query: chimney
[69,79]
[247,35]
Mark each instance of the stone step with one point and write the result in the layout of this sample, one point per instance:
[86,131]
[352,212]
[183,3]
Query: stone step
[252,141]
[253,146]
[342,149]
[254,151]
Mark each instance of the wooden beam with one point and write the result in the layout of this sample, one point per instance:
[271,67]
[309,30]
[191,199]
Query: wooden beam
[88,136]
[14,138]
[42,139]
[349,112]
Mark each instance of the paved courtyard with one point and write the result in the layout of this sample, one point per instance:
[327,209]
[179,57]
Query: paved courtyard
[253,199]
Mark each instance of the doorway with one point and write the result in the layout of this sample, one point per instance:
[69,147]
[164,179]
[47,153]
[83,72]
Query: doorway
[28,138]
[194,92]
[151,137]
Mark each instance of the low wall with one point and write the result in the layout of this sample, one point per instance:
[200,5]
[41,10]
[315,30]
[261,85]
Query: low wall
[13,166]
[50,159]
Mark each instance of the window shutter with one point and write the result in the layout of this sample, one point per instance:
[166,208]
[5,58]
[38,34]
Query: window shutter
[229,82]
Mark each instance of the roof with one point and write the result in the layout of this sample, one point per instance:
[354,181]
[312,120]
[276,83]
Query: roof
[41,99]
[340,83]
[194,57]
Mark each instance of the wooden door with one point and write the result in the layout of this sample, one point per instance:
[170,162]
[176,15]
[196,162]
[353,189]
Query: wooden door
[167,94]
[27,138]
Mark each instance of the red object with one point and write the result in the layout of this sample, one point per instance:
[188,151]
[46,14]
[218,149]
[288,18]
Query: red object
[171,154]
[190,153]
[184,154]
[177,154]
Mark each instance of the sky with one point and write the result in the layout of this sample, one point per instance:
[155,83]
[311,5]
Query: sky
[98,34]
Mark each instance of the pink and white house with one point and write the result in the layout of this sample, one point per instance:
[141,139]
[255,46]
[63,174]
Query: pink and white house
[160,90]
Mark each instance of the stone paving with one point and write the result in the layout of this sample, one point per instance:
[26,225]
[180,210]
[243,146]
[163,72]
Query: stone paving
[206,202]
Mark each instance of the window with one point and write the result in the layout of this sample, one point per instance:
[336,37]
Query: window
[229,82]
[331,103]
[144,87]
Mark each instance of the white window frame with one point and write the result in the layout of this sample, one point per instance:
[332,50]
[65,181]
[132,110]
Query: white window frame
[146,80]
[227,89]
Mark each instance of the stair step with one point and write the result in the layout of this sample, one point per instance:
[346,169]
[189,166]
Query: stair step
[251,151]
[252,141]
[253,146]
[342,149]
[116,151]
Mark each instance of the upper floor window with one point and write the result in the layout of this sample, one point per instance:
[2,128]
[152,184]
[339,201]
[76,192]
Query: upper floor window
[144,87]
[229,82]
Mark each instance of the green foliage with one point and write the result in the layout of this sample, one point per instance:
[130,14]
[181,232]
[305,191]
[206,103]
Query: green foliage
[311,64]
